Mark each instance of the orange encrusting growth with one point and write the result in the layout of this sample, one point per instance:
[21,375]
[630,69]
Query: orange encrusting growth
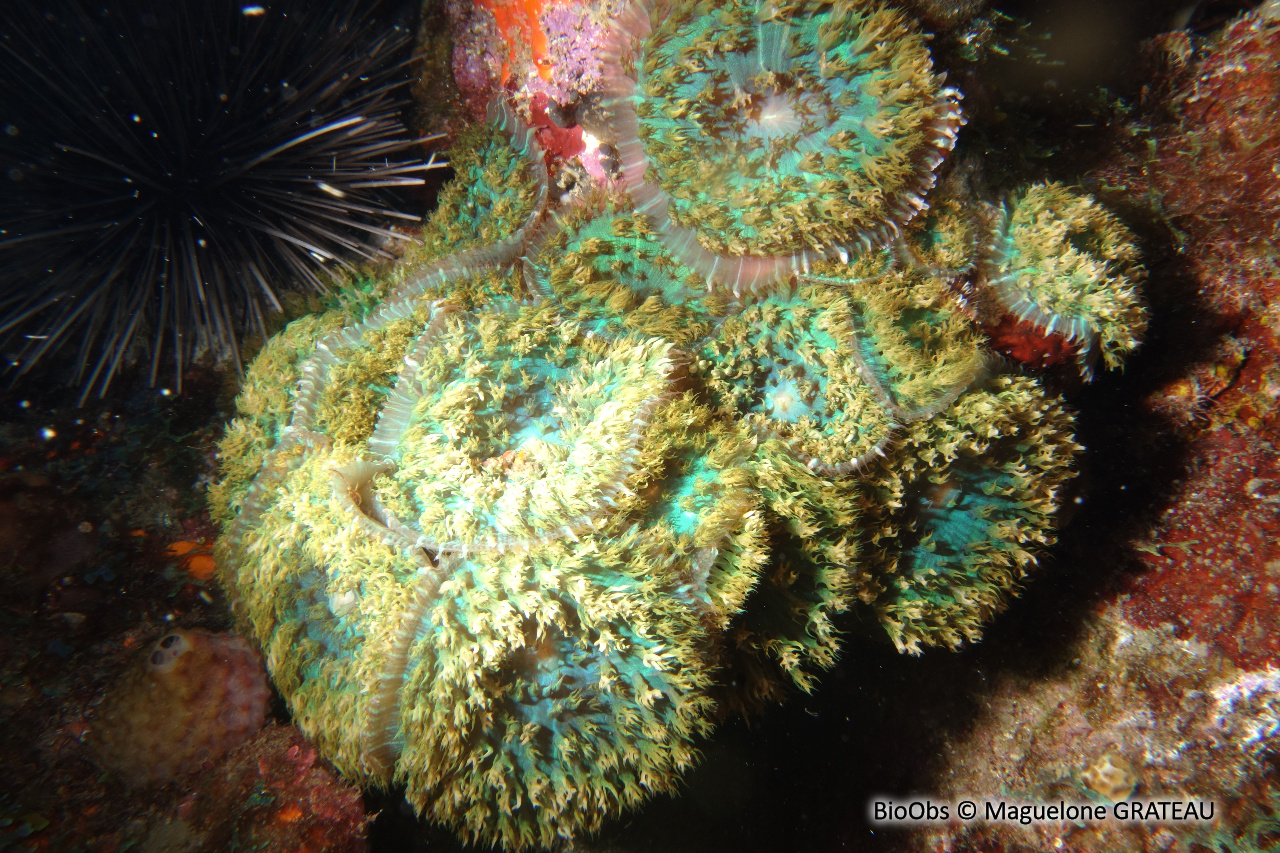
[196,559]
[518,20]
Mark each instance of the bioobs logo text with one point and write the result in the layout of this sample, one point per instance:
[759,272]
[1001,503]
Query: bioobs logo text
[885,810]
[917,810]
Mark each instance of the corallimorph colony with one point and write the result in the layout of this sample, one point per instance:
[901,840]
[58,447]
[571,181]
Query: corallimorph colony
[517,524]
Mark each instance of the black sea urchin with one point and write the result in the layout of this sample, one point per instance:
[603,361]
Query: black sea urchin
[165,166]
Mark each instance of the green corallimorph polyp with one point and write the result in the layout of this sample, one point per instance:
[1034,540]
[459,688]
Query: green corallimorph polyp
[782,126]
[786,364]
[493,194]
[614,273]
[706,495]
[1064,263]
[517,426]
[913,343]
[944,241]
[811,579]
[263,405]
[553,688]
[954,524]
